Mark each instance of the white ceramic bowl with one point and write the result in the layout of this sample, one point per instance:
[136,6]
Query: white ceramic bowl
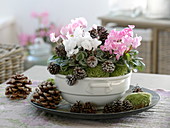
[96,90]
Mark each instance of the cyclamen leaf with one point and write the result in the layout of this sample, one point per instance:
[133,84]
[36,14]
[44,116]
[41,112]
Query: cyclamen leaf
[80,56]
[82,63]
[128,57]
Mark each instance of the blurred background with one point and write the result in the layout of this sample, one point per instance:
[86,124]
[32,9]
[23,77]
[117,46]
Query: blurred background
[27,23]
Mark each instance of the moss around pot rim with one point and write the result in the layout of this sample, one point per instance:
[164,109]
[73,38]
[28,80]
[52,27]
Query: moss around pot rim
[99,78]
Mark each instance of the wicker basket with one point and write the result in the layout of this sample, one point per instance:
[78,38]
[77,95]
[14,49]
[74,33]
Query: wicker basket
[11,61]
[164,52]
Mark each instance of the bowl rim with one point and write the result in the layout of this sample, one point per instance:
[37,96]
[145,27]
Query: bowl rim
[100,78]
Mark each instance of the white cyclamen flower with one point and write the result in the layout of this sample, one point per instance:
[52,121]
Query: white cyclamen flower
[70,47]
[79,39]
[89,43]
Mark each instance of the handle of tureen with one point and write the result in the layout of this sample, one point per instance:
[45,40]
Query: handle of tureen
[107,86]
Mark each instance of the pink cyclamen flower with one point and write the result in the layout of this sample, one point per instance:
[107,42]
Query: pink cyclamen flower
[35,14]
[53,38]
[26,39]
[42,17]
[118,42]
[70,28]
[136,41]
[44,14]
[81,22]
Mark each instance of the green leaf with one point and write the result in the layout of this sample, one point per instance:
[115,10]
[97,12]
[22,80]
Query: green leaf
[64,68]
[85,53]
[99,53]
[138,58]
[135,52]
[80,56]
[128,57]
[83,63]
[127,64]
[101,59]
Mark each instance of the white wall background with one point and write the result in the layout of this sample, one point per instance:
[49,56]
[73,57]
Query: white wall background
[61,11]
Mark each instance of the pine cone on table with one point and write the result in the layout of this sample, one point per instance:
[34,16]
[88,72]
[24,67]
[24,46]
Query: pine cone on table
[118,106]
[108,66]
[77,107]
[89,108]
[53,68]
[108,108]
[127,105]
[137,89]
[47,95]
[18,88]
[79,73]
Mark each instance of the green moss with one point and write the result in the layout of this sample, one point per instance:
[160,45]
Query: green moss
[139,100]
[67,72]
[96,72]
[119,71]
[51,80]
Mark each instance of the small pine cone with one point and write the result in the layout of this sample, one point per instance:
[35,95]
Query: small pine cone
[103,37]
[92,61]
[53,68]
[108,66]
[93,33]
[108,108]
[102,33]
[71,80]
[127,105]
[79,73]
[77,107]
[137,89]
[60,50]
[89,108]
[118,106]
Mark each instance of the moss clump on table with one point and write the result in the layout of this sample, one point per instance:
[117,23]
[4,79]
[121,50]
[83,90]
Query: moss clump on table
[139,100]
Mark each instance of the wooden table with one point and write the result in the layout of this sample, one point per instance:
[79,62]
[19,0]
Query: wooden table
[142,22]
[21,114]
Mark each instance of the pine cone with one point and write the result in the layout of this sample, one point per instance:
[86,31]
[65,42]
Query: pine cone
[127,105]
[137,89]
[71,80]
[118,106]
[53,68]
[77,107]
[89,108]
[92,61]
[93,33]
[108,108]
[18,88]
[47,95]
[60,50]
[108,66]
[79,73]
[100,33]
